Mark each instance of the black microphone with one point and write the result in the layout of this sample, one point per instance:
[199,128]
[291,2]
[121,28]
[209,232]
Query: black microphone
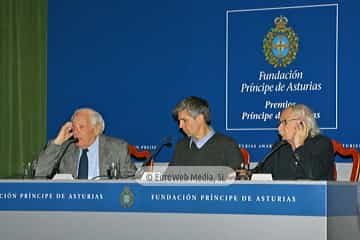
[56,167]
[167,141]
[261,164]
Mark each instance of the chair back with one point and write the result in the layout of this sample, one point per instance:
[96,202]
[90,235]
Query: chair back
[145,154]
[347,152]
[246,156]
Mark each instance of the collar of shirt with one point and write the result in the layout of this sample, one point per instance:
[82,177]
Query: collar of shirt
[201,142]
[95,146]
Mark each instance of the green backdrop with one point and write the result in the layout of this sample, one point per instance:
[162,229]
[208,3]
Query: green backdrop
[23,70]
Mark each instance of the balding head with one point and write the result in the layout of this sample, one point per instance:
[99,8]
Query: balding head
[87,125]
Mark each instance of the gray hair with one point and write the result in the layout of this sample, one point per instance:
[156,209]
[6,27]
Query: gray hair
[95,118]
[195,106]
[305,114]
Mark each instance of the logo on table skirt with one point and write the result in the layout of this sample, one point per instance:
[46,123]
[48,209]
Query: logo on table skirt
[281,44]
[126,198]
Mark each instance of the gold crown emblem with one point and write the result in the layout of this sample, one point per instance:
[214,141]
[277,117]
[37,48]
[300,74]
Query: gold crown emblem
[280,44]
[280,22]
[126,198]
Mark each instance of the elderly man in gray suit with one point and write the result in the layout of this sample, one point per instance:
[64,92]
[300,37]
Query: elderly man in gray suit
[82,150]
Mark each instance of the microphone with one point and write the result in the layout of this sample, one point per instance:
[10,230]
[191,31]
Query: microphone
[261,164]
[167,141]
[29,170]
[56,167]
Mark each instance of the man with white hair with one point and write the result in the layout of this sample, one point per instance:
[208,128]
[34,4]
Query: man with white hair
[82,150]
[302,153]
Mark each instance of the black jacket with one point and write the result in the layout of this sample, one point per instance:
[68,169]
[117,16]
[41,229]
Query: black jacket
[314,160]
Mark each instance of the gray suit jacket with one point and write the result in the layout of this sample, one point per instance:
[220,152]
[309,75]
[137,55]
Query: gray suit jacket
[111,150]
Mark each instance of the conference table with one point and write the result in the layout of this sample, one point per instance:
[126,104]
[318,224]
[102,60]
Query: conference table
[130,209]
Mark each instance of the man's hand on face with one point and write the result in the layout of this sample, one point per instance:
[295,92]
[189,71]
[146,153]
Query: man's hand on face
[64,134]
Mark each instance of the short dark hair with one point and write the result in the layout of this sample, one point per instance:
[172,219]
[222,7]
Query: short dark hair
[195,106]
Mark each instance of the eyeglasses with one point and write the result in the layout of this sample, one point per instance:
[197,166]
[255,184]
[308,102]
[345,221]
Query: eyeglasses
[286,121]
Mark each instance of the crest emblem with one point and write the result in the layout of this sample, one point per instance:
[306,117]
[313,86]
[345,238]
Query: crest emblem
[280,44]
[126,198]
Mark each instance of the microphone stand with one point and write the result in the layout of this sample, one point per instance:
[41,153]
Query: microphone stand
[261,164]
[167,141]
[56,167]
